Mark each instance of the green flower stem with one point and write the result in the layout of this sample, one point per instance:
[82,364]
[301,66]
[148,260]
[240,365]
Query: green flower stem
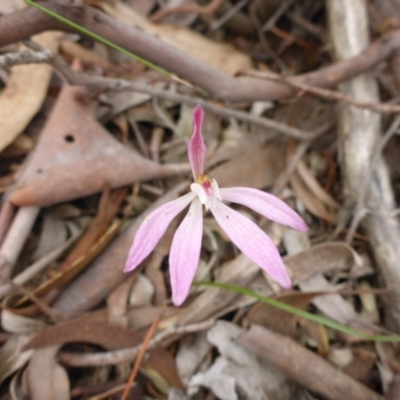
[301,313]
[100,39]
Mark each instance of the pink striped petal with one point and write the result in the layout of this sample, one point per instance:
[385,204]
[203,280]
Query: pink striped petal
[266,204]
[196,146]
[153,228]
[185,252]
[252,241]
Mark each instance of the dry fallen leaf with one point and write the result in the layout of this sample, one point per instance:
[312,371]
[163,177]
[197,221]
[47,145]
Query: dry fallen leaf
[312,203]
[75,157]
[10,6]
[315,187]
[90,328]
[47,379]
[221,56]
[258,167]
[12,356]
[230,374]
[194,355]
[25,92]
[96,328]
[162,362]
[88,57]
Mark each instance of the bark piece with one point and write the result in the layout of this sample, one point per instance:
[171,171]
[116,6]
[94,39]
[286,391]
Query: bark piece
[359,135]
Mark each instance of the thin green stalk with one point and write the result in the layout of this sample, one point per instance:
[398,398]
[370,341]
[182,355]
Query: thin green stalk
[301,313]
[100,39]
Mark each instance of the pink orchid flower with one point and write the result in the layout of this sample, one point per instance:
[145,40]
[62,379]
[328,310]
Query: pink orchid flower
[186,244]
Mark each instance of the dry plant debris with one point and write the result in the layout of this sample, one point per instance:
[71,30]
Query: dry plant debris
[300,100]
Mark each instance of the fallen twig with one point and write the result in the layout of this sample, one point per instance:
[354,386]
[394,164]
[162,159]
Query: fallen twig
[25,57]
[25,23]
[304,366]
[329,94]
[118,356]
[83,79]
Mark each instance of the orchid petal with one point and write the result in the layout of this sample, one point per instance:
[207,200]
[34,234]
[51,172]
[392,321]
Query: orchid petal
[252,241]
[199,191]
[153,228]
[196,146]
[185,252]
[266,204]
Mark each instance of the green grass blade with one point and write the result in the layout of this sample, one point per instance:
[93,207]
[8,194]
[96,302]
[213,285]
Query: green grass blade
[98,38]
[301,313]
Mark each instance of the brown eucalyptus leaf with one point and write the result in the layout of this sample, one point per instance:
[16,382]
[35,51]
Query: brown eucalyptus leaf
[161,360]
[362,364]
[315,187]
[109,205]
[90,328]
[312,203]
[12,355]
[74,50]
[25,92]
[117,302]
[75,157]
[321,258]
[95,328]
[15,323]
[47,379]
[258,168]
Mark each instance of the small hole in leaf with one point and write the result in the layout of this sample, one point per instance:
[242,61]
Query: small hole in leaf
[69,138]
[39,171]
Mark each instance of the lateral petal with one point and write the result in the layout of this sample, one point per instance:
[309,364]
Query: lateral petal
[153,228]
[266,204]
[185,252]
[196,145]
[252,241]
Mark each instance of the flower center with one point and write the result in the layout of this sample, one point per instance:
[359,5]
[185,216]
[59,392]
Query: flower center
[206,190]
[206,183]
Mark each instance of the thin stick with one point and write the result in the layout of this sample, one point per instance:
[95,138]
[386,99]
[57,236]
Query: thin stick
[141,354]
[25,57]
[82,79]
[284,177]
[226,17]
[276,15]
[118,356]
[383,108]
[24,23]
